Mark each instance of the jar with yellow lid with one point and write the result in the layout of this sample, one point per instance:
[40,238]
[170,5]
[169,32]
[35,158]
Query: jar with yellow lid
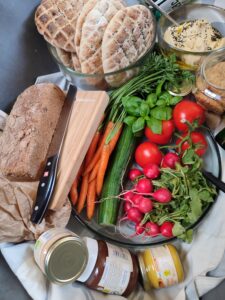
[160,267]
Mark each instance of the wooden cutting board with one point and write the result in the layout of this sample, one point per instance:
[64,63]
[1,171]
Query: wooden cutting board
[85,118]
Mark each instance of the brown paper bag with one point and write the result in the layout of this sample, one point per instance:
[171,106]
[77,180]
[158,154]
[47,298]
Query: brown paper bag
[16,203]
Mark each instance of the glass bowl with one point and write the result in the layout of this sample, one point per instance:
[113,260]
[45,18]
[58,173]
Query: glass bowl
[123,232]
[188,59]
[104,81]
[210,82]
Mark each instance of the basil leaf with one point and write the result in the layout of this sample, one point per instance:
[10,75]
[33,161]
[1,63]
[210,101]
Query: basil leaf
[174,100]
[138,125]
[161,102]
[144,109]
[129,120]
[165,97]
[132,105]
[162,113]
[155,125]
[159,88]
[151,100]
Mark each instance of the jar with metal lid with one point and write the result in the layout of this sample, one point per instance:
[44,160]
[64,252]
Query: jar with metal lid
[110,269]
[160,267]
[210,82]
[61,255]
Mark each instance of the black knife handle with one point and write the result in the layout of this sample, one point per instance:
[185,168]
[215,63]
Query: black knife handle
[216,181]
[45,189]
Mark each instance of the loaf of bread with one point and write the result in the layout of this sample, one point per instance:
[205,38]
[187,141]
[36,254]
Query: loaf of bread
[29,130]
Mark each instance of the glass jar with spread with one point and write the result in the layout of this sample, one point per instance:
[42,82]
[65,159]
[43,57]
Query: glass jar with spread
[160,267]
[110,269]
[61,255]
[210,82]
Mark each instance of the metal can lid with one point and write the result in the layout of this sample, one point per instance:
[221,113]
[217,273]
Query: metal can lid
[66,260]
[146,283]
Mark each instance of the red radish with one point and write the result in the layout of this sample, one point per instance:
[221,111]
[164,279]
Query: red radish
[127,206]
[170,160]
[128,196]
[139,229]
[152,229]
[134,173]
[162,195]
[136,199]
[151,171]
[134,215]
[144,186]
[166,229]
[145,205]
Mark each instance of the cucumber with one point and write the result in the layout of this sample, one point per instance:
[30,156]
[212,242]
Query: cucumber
[108,209]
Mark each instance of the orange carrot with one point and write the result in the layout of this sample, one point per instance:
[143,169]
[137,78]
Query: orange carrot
[97,155]
[94,172]
[102,167]
[92,148]
[104,160]
[73,192]
[113,141]
[91,197]
[83,194]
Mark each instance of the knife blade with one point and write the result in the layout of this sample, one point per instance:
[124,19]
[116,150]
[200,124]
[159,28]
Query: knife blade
[48,178]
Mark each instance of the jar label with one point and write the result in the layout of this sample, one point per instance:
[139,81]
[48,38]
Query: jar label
[164,266]
[118,267]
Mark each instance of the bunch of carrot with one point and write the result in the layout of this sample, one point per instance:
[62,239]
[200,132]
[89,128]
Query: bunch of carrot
[89,181]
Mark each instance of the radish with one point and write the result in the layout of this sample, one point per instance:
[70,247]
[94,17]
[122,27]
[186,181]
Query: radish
[144,186]
[128,196]
[134,215]
[139,229]
[162,195]
[136,199]
[166,229]
[170,160]
[151,171]
[134,173]
[145,205]
[127,206]
[152,229]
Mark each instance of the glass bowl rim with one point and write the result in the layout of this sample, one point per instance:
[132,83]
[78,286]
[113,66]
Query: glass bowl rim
[135,64]
[186,51]
[165,241]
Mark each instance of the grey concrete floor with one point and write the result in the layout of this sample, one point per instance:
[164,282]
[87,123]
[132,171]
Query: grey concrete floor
[24,56]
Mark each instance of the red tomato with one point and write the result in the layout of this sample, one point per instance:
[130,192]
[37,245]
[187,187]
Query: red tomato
[190,111]
[163,138]
[146,153]
[197,138]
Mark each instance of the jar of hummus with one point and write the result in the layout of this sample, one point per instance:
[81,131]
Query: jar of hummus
[160,267]
[110,269]
[210,83]
[61,255]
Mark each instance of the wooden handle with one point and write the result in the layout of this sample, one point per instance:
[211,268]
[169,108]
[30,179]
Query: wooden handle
[85,118]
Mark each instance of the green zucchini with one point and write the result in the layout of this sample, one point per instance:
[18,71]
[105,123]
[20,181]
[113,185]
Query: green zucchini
[108,209]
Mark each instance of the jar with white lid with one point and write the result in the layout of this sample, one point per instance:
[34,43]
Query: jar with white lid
[61,255]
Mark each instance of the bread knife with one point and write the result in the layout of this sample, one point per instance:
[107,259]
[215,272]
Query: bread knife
[48,178]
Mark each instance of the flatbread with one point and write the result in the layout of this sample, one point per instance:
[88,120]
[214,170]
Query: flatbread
[128,36]
[94,26]
[56,21]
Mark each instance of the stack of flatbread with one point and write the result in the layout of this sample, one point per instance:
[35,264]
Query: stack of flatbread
[96,36]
